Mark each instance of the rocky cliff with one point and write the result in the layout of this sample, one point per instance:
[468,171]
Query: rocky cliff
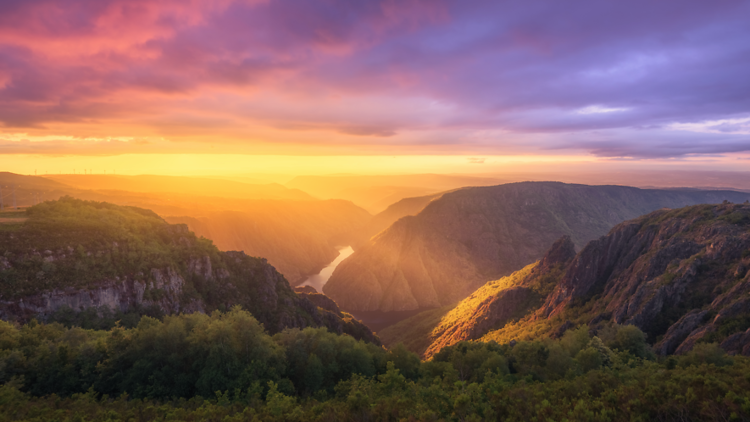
[682,276]
[81,254]
[679,275]
[467,237]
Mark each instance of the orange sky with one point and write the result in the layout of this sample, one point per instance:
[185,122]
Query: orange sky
[244,86]
[278,167]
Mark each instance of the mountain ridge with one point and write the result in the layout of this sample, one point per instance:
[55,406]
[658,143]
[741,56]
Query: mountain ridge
[679,275]
[472,235]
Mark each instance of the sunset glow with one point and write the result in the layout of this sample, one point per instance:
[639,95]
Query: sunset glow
[375,210]
[128,79]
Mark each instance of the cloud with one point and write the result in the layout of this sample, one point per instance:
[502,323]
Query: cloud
[473,160]
[380,72]
[724,126]
[596,109]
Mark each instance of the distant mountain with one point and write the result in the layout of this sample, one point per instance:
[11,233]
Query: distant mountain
[73,255]
[299,238]
[194,186]
[682,276]
[29,189]
[376,193]
[396,211]
[467,237]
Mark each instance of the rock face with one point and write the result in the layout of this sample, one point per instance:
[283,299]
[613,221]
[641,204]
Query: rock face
[465,238]
[738,343]
[131,258]
[117,294]
[679,275]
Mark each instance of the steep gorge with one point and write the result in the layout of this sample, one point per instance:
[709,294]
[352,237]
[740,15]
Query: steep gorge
[468,237]
[299,238]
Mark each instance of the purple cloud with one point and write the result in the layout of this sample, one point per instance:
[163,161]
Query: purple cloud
[389,72]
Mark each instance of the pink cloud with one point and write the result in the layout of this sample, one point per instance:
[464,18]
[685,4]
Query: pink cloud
[370,72]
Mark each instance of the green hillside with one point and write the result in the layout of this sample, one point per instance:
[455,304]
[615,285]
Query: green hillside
[71,254]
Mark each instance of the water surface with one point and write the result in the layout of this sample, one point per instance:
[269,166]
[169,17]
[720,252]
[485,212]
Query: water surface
[320,279]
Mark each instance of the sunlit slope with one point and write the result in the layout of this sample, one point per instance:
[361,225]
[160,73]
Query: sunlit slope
[297,237]
[29,189]
[376,193]
[491,306]
[471,236]
[423,331]
[180,185]
[402,208]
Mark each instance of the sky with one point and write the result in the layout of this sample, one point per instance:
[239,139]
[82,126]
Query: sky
[218,85]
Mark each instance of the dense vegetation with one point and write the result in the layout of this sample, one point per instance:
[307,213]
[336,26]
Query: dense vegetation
[226,367]
[74,243]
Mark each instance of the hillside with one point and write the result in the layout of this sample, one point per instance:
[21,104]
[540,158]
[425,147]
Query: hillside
[473,235]
[299,238]
[376,193]
[396,211]
[28,189]
[71,254]
[679,275]
[489,307]
[195,186]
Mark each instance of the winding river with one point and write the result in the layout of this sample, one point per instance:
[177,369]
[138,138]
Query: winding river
[320,279]
[376,320]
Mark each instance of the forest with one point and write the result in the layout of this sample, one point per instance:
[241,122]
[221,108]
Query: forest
[226,367]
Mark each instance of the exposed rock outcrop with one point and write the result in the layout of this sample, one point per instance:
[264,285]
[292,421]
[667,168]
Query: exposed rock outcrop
[679,331]
[164,291]
[676,274]
[738,343]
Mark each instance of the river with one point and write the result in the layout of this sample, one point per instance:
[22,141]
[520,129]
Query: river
[320,279]
[376,320]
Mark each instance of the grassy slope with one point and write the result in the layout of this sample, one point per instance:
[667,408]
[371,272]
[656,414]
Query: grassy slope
[419,331]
